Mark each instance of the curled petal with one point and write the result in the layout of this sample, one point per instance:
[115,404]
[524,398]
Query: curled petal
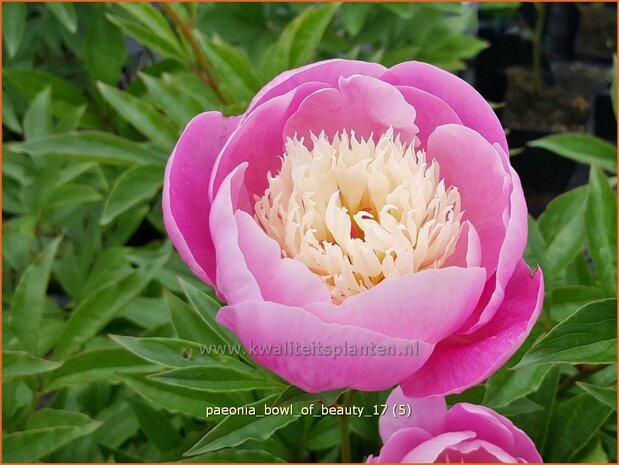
[186,204]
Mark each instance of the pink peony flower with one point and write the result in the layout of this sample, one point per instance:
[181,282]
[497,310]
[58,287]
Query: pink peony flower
[463,434]
[355,212]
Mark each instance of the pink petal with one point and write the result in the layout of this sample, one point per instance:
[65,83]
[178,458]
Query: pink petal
[428,414]
[430,450]
[510,254]
[401,443]
[459,363]
[270,325]
[468,104]
[186,204]
[361,103]
[476,451]
[234,280]
[429,305]
[470,163]
[431,112]
[281,280]
[259,141]
[468,248]
[521,445]
[465,416]
[327,72]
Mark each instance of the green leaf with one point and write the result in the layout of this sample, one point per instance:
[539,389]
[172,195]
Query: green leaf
[403,10]
[605,395]
[9,115]
[601,219]
[189,323]
[235,456]
[583,148]
[536,424]
[293,395]
[13,25]
[96,310]
[171,97]
[233,68]
[65,14]
[174,353]
[73,194]
[234,430]
[156,425]
[133,187]
[48,430]
[520,406]
[298,41]
[15,364]
[567,299]
[150,28]
[587,336]
[449,51]
[208,308]
[105,51]
[104,365]
[141,115]
[510,385]
[575,422]
[180,399]
[593,453]
[71,119]
[217,378]
[324,434]
[96,146]
[38,117]
[563,229]
[29,299]
[536,245]
[354,16]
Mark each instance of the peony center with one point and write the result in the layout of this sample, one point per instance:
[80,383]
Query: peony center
[356,212]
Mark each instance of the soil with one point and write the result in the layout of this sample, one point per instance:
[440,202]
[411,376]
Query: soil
[597,30]
[560,107]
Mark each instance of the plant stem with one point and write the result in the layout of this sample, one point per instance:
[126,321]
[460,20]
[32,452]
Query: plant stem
[204,70]
[344,434]
[538,34]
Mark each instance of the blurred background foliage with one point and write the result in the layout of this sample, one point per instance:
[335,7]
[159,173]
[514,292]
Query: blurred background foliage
[94,99]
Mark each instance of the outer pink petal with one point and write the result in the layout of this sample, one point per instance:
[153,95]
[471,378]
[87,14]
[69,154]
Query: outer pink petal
[477,451]
[328,72]
[428,306]
[459,363]
[465,416]
[521,445]
[186,204]
[361,103]
[401,443]
[428,414]
[270,325]
[431,112]
[511,252]
[234,280]
[468,104]
[470,163]
[259,140]
[431,450]
[281,280]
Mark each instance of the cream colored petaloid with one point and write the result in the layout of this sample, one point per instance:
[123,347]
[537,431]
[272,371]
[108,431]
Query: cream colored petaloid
[356,212]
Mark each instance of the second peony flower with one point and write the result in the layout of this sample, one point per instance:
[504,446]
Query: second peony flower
[352,213]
